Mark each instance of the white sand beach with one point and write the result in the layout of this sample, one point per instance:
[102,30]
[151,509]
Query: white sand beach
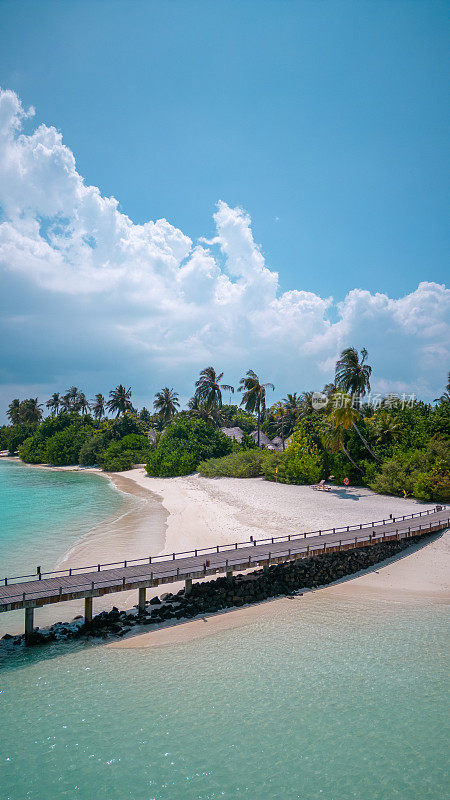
[165,515]
[201,512]
[204,511]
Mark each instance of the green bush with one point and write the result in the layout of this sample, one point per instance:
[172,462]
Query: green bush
[126,425]
[236,417]
[241,464]
[184,445]
[421,473]
[93,448]
[64,447]
[248,442]
[32,450]
[433,485]
[14,435]
[301,463]
[275,468]
[124,454]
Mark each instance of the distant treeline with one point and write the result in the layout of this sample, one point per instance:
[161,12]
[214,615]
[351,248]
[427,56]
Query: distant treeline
[341,434]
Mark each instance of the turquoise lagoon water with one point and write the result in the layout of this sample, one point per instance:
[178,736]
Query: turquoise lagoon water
[43,512]
[326,701]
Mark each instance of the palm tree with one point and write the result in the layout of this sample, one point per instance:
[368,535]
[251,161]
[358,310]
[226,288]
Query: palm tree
[329,390]
[352,374]
[120,400]
[209,414]
[82,403]
[72,396]
[333,440]
[66,403]
[70,400]
[54,403]
[166,403]
[279,412]
[31,410]
[13,412]
[385,427]
[209,389]
[28,410]
[293,404]
[444,398]
[98,406]
[254,398]
[345,417]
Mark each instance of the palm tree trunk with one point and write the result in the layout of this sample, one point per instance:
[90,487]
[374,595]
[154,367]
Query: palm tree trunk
[350,458]
[364,442]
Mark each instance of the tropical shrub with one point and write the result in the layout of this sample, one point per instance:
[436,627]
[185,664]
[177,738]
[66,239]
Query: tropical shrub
[240,464]
[276,468]
[302,462]
[32,450]
[14,435]
[93,448]
[184,445]
[248,443]
[122,455]
[235,417]
[64,447]
[422,473]
[127,424]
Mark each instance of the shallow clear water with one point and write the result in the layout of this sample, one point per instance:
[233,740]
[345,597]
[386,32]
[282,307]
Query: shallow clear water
[43,512]
[325,700]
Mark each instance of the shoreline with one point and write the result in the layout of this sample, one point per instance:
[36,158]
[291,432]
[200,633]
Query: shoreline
[202,512]
[168,515]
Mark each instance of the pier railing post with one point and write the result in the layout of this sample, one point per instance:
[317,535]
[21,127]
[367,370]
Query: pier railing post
[141,600]
[88,609]
[29,623]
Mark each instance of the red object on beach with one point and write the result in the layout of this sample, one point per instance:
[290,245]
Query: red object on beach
[346,481]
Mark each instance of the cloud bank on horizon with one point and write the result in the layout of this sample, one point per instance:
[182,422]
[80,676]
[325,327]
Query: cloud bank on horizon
[91,297]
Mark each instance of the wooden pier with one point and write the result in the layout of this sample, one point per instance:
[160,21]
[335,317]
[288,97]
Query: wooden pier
[39,589]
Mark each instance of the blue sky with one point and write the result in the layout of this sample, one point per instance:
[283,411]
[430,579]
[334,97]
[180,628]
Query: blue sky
[324,121]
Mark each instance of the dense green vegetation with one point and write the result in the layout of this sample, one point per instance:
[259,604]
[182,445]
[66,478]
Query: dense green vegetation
[68,437]
[184,445]
[239,464]
[392,445]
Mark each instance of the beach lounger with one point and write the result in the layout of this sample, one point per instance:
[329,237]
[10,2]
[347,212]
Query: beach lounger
[321,487]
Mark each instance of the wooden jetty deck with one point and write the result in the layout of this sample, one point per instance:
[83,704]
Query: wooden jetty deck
[32,591]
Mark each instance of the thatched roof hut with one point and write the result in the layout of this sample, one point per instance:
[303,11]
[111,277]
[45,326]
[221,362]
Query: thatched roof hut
[233,433]
[264,440]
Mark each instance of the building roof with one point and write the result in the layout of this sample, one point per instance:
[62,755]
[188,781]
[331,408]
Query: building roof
[233,433]
[264,440]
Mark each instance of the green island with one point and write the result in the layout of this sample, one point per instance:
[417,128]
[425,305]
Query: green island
[392,445]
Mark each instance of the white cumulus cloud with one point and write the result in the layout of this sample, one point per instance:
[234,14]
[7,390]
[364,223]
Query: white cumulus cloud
[103,298]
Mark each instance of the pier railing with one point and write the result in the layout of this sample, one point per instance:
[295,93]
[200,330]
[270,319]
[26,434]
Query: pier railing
[219,566]
[205,551]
